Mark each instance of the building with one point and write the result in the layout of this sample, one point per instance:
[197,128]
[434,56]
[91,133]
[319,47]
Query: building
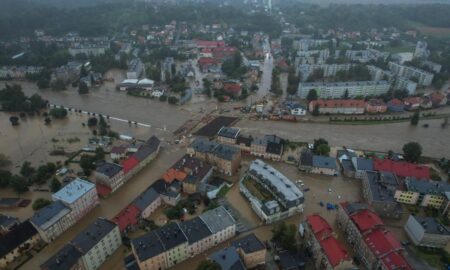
[423,77]
[200,237]
[268,147]
[88,49]
[338,106]
[395,106]
[110,175]
[67,258]
[149,252]
[376,106]
[361,166]
[228,135]
[423,192]
[252,250]
[421,50]
[147,202]
[401,168]
[225,158]
[379,192]
[339,89]
[144,154]
[228,259]
[7,223]
[52,220]
[283,198]
[329,70]
[17,242]
[209,64]
[317,164]
[80,196]
[128,218]
[372,243]
[221,224]
[328,252]
[427,232]
[135,69]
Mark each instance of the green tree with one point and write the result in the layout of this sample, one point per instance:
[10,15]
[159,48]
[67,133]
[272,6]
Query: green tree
[58,113]
[312,95]
[5,178]
[412,151]
[172,100]
[87,163]
[37,102]
[43,83]
[83,88]
[284,235]
[319,142]
[103,126]
[415,119]
[208,265]
[323,150]
[92,122]
[58,85]
[19,184]
[55,185]
[40,203]
[4,161]
[26,170]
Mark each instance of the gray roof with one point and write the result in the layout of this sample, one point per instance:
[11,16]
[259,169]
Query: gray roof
[195,229]
[288,191]
[364,164]
[330,84]
[16,237]
[109,169]
[226,152]
[222,151]
[426,187]
[306,158]
[203,145]
[324,162]
[93,234]
[64,259]
[49,215]
[228,259]
[146,198]
[347,165]
[147,246]
[345,153]
[171,235]
[228,132]
[249,243]
[217,219]
[7,221]
[431,225]
[144,152]
[382,185]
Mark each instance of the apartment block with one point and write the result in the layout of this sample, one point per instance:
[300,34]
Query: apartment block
[252,250]
[339,89]
[427,232]
[52,220]
[423,77]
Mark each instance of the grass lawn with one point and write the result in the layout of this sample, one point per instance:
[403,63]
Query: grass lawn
[256,190]
[223,191]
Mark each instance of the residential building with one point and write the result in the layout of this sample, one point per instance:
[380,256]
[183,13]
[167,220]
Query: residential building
[17,242]
[421,50]
[434,67]
[269,147]
[445,208]
[379,192]
[209,64]
[252,250]
[110,175]
[149,252]
[403,83]
[147,202]
[221,224]
[228,259]
[338,106]
[427,232]
[135,69]
[361,165]
[376,106]
[395,106]
[128,218]
[89,249]
[329,70]
[232,89]
[144,154]
[200,237]
[372,243]
[401,168]
[290,261]
[328,252]
[228,135]
[339,89]
[317,164]
[80,196]
[423,77]
[88,49]
[286,199]
[52,220]
[225,158]
[7,223]
[412,103]
[423,192]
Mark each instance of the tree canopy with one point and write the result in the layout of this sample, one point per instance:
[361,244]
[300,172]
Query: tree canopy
[412,151]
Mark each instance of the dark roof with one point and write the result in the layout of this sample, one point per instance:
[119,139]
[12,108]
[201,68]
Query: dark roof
[249,243]
[160,186]
[426,187]
[109,169]
[432,225]
[228,132]
[16,237]
[93,234]
[274,148]
[347,165]
[289,261]
[324,162]
[382,186]
[244,140]
[346,152]
[64,259]
[147,246]
[211,129]
[146,198]
[228,259]
[195,229]
[153,142]
[226,152]
[216,181]
[306,158]
[171,235]
[144,152]
[7,221]
[364,164]
[55,210]
[203,145]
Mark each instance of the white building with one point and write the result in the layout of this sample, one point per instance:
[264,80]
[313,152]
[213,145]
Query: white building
[221,224]
[423,77]
[52,220]
[80,196]
[338,89]
[427,232]
[135,69]
[328,69]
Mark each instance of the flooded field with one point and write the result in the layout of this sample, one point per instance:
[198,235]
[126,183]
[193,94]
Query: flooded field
[382,137]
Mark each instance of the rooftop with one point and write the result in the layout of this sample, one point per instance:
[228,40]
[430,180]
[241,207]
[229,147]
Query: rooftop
[228,259]
[249,243]
[171,235]
[343,84]
[228,132]
[334,250]
[401,168]
[49,215]
[382,242]
[364,164]
[366,219]
[217,219]
[319,226]
[431,225]
[382,185]
[426,186]
[73,191]
[213,127]
[16,237]
[147,246]
[127,217]
[324,162]
[109,169]
[146,198]
[195,229]
[338,103]
[93,234]
[64,259]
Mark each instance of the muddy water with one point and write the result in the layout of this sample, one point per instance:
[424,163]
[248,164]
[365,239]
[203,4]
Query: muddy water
[384,137]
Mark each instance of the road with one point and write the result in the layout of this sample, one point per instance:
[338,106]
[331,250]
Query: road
[266,78]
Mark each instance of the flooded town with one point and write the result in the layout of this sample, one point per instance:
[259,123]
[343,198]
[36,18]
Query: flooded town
[235,135]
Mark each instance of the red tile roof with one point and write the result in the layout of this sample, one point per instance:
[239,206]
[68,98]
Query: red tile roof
[401,168]
[127,217]
[173,174]
[334,250]
[207,60]
[319,226]
[232,88]
[412,100]
[395,102]
[102,190]
[395,261]
[129,164]
[366,219]
[338,103]
[211,44]
[381,242]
